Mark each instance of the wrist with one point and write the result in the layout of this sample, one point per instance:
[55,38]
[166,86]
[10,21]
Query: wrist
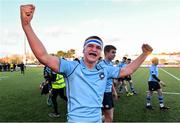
[26,27]
[146,53]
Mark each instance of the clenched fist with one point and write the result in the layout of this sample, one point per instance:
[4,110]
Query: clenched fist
[147,49]
[27,12]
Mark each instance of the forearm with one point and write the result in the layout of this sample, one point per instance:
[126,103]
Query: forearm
[156,78]
[132,67]
[114,90]
[137,62]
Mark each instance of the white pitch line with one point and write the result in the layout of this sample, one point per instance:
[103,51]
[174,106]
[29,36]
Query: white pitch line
[170,74]
[4,77]
[172,93]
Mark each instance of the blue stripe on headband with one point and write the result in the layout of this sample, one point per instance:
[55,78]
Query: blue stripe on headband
[96,41]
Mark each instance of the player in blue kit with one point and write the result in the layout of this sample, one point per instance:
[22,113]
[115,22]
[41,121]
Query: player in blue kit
[129,80]
[108,104]
[154,84]
[85,80]
[122,80]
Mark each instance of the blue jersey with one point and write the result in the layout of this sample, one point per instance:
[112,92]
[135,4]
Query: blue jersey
[106,63]
[85,89]
[153,70]
[122,64]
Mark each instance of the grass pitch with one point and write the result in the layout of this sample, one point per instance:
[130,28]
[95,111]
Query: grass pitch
[20,99]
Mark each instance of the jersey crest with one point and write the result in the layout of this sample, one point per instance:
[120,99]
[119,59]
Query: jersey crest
[101,75]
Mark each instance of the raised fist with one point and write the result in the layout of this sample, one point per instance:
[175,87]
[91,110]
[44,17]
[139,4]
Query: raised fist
[147,49]
[27,12]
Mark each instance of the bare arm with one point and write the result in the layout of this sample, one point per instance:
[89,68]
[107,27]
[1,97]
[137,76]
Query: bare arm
[132,67]
[36,45]
[114,92]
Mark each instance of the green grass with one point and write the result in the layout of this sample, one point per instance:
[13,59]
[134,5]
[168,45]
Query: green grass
[20,99]
[132,109]
[175,72]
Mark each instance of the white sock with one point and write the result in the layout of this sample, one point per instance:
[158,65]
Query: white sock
[161,105]
[148,104]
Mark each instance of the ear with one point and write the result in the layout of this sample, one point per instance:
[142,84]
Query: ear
[83,50]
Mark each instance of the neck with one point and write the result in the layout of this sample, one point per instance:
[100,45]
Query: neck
[89,65]
[108,59]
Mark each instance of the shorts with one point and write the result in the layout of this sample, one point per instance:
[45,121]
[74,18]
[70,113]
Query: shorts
[153,85]
[108,101]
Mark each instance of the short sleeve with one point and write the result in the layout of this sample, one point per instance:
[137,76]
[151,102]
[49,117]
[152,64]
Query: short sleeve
[66,66]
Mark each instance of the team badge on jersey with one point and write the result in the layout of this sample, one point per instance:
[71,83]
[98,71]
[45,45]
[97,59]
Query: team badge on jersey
[101,75]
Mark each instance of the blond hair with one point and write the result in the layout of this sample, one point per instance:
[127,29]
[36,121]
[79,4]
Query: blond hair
[155,60]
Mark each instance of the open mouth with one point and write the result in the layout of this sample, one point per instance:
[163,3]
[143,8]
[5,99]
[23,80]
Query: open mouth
[93,54]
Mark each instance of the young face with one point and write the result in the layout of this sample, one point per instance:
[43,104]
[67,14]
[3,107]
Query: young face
[111,54]
[128,61]
[92,52]
[123,60]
